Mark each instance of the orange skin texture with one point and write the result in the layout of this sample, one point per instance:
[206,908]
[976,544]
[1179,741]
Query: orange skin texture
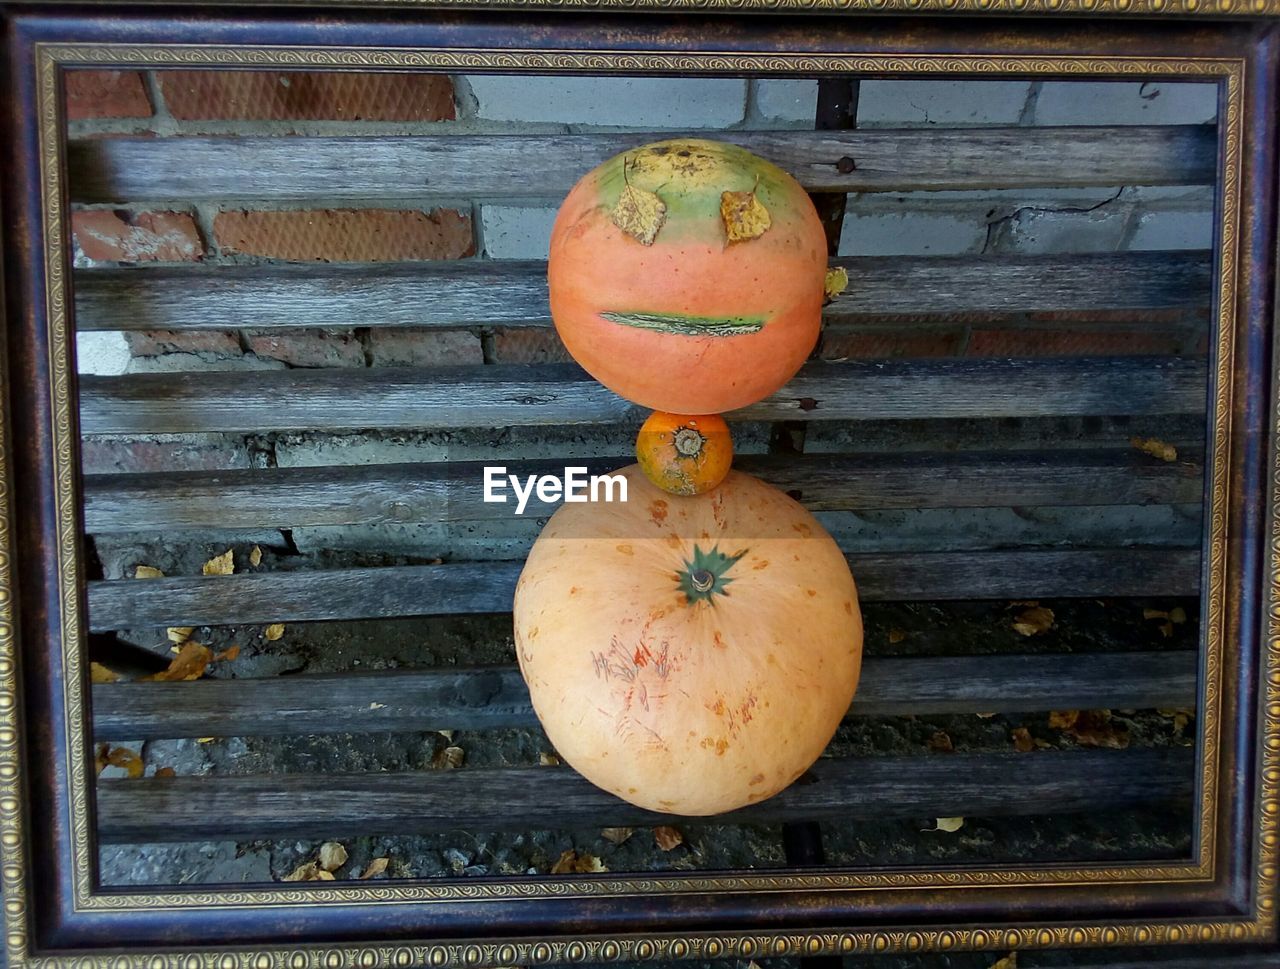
[688,708]
[690,270]
[663,444]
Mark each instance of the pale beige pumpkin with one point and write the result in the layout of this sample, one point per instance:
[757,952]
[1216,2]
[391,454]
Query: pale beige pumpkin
[691,655]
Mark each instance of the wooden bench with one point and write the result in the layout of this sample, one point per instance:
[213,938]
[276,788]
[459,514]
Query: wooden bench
[1123,396]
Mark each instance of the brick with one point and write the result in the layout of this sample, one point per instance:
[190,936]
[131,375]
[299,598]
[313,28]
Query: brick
[1173,229]
[842,344]
[105,353]
[787,100]
[346,235]
[306,96]
[1051,231]
[1125,102]
[518,345]
[423,347]
[941,102]
[649,102]
[106,94]
[308,348]
[517,231]
[153,343]
[199,452]
[1069,343]
[912,233]
[102,235]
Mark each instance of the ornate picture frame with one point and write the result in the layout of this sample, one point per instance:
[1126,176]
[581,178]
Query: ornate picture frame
[55,915]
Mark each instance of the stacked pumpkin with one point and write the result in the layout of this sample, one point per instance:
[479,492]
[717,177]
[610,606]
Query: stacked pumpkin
[693,649]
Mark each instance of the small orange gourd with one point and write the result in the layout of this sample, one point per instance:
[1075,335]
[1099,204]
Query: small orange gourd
[684,454]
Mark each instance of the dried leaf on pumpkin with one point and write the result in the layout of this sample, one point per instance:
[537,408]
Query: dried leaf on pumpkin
[572,863]
[667,838]
[1155,447]
[222,564]
[190,663]
[639,213]
[744,216]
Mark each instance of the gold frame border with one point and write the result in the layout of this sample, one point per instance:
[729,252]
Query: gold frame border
[51,58]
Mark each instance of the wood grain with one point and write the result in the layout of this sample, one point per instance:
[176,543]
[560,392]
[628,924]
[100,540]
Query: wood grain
[489,166]
[514,293]
[327,805]
[496,697]
[424,590]
[443,397]
[401,493]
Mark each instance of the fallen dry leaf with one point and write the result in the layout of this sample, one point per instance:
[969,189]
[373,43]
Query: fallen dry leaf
[1008,962]
[205,740]
[667,838]
[897,635]
[100,674]
[1063,719]
[949,825]
[147,572]
[120,757]
[1180,717]
[639,213]
[1177,615]
[446,734]
[273,632]
[744,216]
[447,758]
[940,742]
[1155,447]
[228,654]
[166,772]
[376,867]
[617,835]
[1033,621]
[190,663]
[255,556]
[986,716]
[1022,741]
[835,283]
[179,634]
[548,760]
[1094,728]
[310,872]
[331,856]
[572,863]
[220,564]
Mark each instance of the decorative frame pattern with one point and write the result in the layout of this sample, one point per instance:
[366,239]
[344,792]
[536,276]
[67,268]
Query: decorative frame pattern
[46,59]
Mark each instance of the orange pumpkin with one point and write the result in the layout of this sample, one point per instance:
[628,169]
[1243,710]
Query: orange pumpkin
[688,276]
[684,454]
[691,656]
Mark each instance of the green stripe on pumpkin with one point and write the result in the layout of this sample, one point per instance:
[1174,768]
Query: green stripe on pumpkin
[689,325]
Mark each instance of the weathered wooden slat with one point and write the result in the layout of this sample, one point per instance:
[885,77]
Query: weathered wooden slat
[514,293]
[496,697]
[885,160]
[323,805]
[399,493]
[424,590]
[395,398]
